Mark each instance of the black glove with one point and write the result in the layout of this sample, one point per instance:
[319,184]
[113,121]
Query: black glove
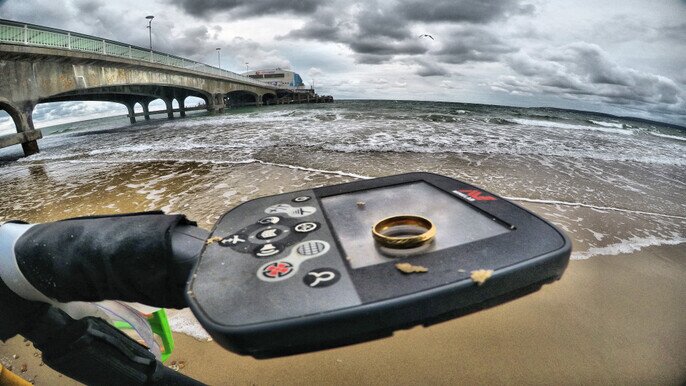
[127,257]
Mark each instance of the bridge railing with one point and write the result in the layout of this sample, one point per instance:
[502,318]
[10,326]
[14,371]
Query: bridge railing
[13,32]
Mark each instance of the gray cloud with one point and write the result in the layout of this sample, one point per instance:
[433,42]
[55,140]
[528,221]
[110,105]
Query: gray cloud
[428,68]
[584,71]
[50,111]
[470,44]
[247,8]
[641,64]
[377,32]
[473,11]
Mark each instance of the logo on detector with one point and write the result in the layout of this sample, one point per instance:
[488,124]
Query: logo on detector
[473,195]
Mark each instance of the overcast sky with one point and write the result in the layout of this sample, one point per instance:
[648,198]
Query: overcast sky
[626,57]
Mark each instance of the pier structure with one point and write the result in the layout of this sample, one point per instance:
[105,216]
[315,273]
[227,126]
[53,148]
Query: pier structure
[40,64]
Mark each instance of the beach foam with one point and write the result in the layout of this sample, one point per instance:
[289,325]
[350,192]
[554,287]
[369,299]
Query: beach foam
[630,245]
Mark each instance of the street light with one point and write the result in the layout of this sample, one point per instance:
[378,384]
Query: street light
[246,66]
[219,58]
[150,28]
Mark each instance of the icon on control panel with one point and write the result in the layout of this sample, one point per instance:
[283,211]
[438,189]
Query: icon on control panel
[267,250]
[321,277]
[301,199]
[232,240]
[311,248]
[269,220]
[299,254]
[277,269]
[268,234]
[291,211]
[306,227]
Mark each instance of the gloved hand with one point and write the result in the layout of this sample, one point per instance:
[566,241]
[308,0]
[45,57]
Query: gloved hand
[142,257]
[127,257]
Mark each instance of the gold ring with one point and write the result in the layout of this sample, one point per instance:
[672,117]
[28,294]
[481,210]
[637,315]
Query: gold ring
[386,231]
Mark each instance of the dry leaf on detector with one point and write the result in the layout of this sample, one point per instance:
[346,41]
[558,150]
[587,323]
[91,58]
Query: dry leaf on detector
[481,275]
[214,239]
[409,268]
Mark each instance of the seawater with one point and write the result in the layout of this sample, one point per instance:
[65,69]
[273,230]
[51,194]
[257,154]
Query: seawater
[615,185]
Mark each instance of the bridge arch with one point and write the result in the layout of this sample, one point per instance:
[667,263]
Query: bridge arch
[26,135]
[240,98]
[13,111]
[269,98]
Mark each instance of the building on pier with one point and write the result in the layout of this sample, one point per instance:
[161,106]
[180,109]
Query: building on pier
[277,77]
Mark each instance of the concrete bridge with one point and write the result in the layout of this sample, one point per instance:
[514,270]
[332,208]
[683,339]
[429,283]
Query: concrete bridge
[40,64]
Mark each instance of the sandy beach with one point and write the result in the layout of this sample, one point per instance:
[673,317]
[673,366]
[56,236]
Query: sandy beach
[610,320]
[617,316]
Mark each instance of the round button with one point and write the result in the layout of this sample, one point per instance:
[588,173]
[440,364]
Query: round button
[322,277]
[271,220]
[268,233]
[277,269]
[306,227]
[301,199]
[267,250]
[312,248]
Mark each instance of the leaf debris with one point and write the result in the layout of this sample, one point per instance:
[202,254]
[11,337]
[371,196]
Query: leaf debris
[214,239]
[409,268]
[481,275]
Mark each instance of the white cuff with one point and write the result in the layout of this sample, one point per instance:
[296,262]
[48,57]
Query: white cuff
[9,269]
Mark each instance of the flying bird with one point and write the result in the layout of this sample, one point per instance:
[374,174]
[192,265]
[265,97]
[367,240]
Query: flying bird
[427,36]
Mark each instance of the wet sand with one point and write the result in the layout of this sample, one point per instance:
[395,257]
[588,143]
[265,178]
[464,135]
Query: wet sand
[610,320]
[616,317]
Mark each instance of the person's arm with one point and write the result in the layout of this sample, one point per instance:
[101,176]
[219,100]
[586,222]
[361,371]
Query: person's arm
[144,258]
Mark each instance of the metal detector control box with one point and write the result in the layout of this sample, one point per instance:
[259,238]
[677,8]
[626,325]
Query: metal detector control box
[300,272]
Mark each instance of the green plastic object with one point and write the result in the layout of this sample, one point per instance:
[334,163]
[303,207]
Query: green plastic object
[160,327]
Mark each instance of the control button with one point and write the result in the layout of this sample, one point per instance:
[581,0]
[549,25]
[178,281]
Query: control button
[322,277]
[279,208]
[267,250]
[306,227]
[312,248]
[232,240]
[301,199]
[268,234]
[277,269]
[290,210]
[302,212]
[269,220]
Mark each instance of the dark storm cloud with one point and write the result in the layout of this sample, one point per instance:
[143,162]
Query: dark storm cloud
[376,32]
[582,71]
[431,69]
[473,11]
[472,44]
[247,8]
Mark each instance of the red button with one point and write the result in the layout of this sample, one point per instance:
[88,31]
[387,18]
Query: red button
[277,269]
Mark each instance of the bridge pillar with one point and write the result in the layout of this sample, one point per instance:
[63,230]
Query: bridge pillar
[146,109]
[170,107]
[22,116]
[182,106]
[132,112]
[216,104]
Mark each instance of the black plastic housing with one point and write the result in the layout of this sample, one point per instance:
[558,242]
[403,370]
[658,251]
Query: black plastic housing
[532,254]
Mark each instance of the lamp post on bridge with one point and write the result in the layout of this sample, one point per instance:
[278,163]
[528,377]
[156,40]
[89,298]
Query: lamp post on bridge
[150,29]
[219,58]
[246,66]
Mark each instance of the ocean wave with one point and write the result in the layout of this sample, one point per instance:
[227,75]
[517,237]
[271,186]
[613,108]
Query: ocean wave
[569,126]
[607,124]
[630,245]
[184,322]
[597,207]
[667,136]
[501,121]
